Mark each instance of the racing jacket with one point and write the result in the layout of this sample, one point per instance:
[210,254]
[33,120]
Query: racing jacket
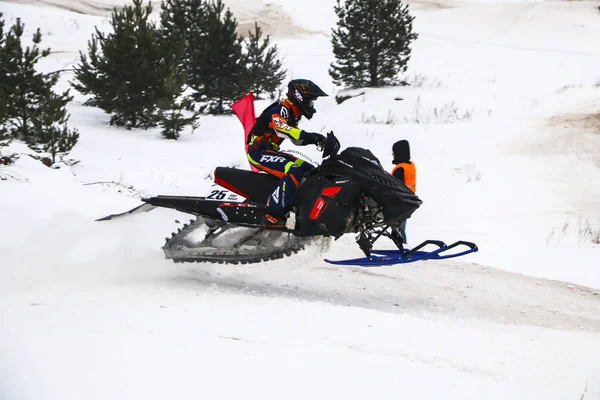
[277,122]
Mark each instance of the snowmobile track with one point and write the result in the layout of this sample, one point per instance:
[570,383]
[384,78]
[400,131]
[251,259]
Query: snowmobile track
[176,247]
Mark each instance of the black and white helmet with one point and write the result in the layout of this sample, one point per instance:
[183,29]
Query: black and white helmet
[303,93]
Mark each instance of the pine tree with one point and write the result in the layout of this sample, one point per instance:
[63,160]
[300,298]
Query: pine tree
[220,62]
[182,25]
[4,136]
[127,69]
[90,80]
[52,134]
[263,64]
[29,107]
[371,43]
[4,73]
[24,87]
[172,109]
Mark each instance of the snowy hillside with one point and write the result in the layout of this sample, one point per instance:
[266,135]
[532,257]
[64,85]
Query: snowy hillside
[503,123]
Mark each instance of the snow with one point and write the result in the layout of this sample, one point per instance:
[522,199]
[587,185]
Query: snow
[91,310]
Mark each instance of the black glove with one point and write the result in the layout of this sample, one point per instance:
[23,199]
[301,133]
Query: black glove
[315,138]
[331,146]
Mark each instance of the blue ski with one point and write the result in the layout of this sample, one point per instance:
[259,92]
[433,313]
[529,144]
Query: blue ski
[380,258]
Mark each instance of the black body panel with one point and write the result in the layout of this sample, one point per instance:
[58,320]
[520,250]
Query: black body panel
[237,213]
[186,204]
[325,206]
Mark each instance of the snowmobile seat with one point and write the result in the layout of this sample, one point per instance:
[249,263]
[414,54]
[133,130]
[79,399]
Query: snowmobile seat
[252,185]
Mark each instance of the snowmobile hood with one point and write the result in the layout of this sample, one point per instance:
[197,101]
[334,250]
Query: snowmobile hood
[365,170]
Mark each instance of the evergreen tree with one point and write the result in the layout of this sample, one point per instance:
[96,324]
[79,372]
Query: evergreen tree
[171,111]
[52,134]
[263,64]
[127,70]
[371,43]
[28,105]
[220,61]
[90,80]
[182,24]
[4,137]
[24,87]
[7,69]
[4,73]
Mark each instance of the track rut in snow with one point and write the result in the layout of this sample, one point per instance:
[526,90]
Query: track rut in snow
[451,288]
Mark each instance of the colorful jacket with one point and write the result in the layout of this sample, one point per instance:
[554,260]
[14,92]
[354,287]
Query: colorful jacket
[277,122]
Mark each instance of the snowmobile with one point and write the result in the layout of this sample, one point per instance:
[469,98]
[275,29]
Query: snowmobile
[349,192]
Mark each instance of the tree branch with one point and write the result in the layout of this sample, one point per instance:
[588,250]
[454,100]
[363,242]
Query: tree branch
[59,71]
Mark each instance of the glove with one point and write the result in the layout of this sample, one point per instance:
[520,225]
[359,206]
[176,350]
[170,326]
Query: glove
[315,138]
[331,146]
[320,141]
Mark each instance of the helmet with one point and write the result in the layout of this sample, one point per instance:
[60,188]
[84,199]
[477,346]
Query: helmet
[303,93]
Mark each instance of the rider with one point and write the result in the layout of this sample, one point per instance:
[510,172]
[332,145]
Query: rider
[278,122]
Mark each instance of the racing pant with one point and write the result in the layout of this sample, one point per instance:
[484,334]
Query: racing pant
[286,167]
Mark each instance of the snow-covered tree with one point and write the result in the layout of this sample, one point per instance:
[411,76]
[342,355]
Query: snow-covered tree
[371,42]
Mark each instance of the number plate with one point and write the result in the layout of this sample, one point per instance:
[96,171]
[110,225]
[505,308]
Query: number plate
[219,193]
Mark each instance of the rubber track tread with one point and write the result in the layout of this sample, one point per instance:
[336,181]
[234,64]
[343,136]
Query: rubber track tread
[293,246]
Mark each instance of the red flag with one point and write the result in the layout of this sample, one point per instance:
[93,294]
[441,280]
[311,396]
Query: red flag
[244,109]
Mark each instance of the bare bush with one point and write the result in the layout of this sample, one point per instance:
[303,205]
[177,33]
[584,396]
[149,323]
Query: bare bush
[588,232]
[117,187]
[450,113]
[447,114]
[418,80]
[373,119]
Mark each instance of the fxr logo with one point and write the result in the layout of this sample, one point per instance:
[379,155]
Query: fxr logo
[269,158]
[275,196]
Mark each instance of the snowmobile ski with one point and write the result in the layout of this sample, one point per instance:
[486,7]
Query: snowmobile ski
[380,258]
